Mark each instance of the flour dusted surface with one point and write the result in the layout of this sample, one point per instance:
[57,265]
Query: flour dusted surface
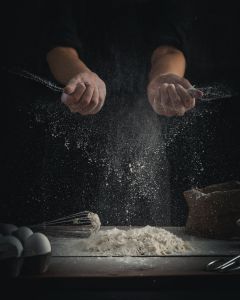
[149,241]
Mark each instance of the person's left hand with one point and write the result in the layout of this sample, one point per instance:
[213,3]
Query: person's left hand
[85,93]
[168,95]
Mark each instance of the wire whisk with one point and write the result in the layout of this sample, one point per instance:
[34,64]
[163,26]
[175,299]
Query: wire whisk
[81,224]
[206,94]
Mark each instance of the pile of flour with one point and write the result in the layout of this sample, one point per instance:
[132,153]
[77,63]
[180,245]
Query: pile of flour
[148,241]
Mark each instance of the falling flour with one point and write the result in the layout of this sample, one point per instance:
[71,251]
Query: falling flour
[145,241]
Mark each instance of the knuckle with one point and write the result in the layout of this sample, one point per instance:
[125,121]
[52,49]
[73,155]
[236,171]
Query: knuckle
[75,98]
[84,102]
[68,88]
[95,101]
[87,84]
[177,99]
[77,79]
[94,75]
[81,85]
[189,101]
[103,83]
[178,86]
[72,81]
[90,87]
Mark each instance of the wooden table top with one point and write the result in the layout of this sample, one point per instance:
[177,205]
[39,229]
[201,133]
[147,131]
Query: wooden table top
[70,276]
[67,262]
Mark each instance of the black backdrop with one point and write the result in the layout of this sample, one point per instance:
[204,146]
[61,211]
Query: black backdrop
[56,163]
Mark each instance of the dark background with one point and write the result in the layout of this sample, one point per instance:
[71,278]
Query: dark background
[55,163]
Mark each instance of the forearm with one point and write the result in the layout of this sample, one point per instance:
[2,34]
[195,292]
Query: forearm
[167,60]
[65,63]
[167,88]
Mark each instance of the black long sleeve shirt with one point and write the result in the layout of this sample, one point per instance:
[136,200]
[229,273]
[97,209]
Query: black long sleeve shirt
[33,28]
[76,23]
[116,38]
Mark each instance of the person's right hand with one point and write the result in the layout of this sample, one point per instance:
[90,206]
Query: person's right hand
[171,95]
[85,93]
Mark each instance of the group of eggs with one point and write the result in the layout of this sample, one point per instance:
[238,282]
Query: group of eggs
[23,243]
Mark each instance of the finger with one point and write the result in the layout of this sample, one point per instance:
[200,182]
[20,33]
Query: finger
[86,97]
[158,100]
[187,100]
[74,108]
[102,91]
[93,103]
[195,93]
[185,83]
[162,104]
[153,93]
[74,102]
[70,87]
[102,95]
[175,100]
[81,88]
[75,96]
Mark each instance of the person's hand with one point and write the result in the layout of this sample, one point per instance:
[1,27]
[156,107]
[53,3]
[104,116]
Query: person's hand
[85,93]
[168,95]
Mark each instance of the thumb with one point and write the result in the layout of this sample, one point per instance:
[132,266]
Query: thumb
[195,93]
[70,88]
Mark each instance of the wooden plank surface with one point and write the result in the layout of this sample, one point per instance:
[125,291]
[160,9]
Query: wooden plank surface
[68,262]
[83,267]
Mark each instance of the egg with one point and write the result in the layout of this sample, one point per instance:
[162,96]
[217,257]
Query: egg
[37,244]
[23,233]
[10,246]
[7,229]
